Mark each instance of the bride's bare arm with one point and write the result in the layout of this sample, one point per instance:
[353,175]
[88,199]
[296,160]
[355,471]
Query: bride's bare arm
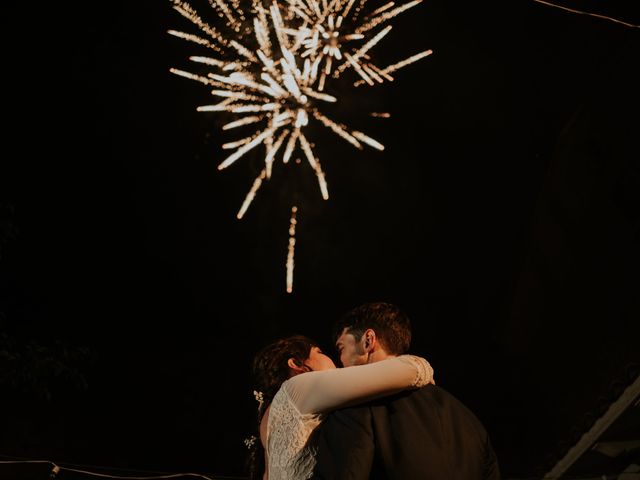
[318,392]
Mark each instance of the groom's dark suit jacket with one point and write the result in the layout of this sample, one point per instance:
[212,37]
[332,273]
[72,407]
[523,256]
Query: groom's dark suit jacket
[420,434]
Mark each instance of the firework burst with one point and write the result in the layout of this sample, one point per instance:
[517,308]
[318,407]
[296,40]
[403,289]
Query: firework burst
[270,69]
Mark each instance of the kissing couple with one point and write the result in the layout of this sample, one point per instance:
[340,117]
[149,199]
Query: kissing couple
[380,417]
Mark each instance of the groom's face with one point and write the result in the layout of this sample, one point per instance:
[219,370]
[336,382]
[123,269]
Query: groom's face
[351,351]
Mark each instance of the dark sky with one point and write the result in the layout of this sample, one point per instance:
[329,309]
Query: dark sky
[502,217]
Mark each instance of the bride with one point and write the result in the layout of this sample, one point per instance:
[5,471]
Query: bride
[298,385]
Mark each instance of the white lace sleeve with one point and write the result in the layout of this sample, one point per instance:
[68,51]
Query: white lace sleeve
[424,372]
[319,392]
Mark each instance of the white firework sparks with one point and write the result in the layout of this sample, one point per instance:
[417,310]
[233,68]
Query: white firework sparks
[271,70]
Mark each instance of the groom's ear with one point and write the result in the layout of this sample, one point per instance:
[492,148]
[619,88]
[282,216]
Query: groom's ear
[369,340]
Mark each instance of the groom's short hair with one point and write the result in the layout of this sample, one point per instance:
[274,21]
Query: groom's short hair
[392,326]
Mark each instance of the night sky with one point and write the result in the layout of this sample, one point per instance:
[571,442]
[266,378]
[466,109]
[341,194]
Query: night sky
[502,217]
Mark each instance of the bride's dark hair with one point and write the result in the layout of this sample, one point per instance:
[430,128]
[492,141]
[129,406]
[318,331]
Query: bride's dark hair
[270,370]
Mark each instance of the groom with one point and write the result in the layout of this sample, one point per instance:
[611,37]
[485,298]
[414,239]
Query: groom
[419,434]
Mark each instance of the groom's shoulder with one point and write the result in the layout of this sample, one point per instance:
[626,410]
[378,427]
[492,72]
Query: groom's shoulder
[427,398]
[433,395]
[427,394]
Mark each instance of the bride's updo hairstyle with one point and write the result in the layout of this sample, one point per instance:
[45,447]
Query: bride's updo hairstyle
[270,370]
[270,367]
